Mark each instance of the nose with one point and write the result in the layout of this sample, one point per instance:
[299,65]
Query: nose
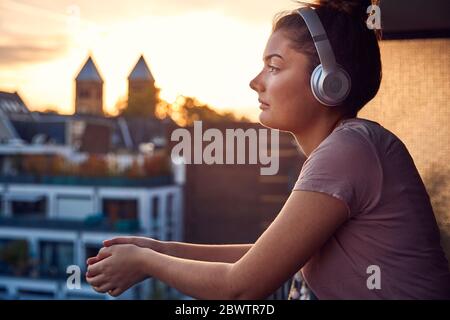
[256,85]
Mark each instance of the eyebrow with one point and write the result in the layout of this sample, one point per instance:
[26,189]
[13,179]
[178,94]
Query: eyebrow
[270,56]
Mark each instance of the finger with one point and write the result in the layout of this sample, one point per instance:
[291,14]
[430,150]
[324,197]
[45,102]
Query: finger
[97,281]
[104,253]
[95,259]
[115,292]
[104,288]
[95,269]
[119,240]
[92,260]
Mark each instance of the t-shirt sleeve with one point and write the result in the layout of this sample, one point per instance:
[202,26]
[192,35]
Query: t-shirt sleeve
[345,166]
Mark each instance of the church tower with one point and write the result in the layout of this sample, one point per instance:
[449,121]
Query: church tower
[142,93]
[89,90]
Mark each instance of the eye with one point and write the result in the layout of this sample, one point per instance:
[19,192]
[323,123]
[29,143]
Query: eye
[272,68]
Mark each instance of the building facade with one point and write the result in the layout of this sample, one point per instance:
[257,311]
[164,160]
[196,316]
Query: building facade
[47,227]
[89,90]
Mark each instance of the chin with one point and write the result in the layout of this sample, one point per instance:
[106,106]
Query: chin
[266,119]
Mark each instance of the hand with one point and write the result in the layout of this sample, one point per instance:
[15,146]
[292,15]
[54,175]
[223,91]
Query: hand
[118,268]
[142,242]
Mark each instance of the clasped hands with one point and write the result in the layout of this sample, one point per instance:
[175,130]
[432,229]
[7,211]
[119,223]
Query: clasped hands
[119,265]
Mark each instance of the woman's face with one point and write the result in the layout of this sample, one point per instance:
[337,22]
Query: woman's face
[283,87]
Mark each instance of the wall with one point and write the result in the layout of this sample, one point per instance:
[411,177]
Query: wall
[414,103]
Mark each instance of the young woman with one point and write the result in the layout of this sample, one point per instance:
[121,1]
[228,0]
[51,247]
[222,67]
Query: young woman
[358,223]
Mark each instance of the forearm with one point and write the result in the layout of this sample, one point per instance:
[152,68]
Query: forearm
[227,253]
[197,279]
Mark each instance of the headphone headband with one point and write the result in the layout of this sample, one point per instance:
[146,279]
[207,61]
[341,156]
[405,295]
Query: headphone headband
[319,37]
[330,83]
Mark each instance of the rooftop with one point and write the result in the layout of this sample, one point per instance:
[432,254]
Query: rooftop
[12,102]
[141,71]
[89,72]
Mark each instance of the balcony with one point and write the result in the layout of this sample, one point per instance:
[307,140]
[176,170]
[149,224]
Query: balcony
[91,223]
[114,181]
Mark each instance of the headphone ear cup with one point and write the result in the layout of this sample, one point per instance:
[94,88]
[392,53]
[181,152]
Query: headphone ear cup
[315,83]
[332,88]
[335,86]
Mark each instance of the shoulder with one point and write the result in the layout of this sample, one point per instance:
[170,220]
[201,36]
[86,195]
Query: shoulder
[346,165]
[358,131]
[354,141]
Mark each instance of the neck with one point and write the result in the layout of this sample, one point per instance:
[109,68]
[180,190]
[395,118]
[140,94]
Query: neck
[311,137]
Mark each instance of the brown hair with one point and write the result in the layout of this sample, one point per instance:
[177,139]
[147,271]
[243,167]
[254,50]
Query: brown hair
[354,45]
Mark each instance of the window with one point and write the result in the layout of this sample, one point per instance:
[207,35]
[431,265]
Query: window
[29,294]
[3,292]
[121,214]
[84,93]
[28,206]
[169,215]
[155,223]
[14,257]
[74,207]
[55,257]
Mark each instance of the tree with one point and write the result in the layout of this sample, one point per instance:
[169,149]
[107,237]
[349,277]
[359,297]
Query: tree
[121,105]
[94,166]
[15,254]
[134,171]
[51,110]
[186,110]
[142,103]
[157,164]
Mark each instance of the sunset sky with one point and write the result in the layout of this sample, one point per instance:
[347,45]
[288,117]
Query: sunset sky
[209,49]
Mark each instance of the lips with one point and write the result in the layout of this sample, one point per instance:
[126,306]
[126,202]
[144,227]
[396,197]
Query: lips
[263,103]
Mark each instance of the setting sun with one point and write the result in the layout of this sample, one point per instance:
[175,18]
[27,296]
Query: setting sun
[209,52]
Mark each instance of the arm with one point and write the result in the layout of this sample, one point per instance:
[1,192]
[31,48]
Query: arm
[304,224]
[214,253]
[203,252]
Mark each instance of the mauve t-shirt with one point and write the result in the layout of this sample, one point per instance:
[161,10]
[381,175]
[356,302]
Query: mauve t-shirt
[389,247]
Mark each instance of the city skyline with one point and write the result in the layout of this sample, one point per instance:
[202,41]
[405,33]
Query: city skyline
[208,50]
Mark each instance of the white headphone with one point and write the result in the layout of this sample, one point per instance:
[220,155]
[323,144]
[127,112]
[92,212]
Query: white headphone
[330,83]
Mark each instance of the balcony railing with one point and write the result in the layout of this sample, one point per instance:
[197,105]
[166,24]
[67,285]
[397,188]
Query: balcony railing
[92,223]
[88,181]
